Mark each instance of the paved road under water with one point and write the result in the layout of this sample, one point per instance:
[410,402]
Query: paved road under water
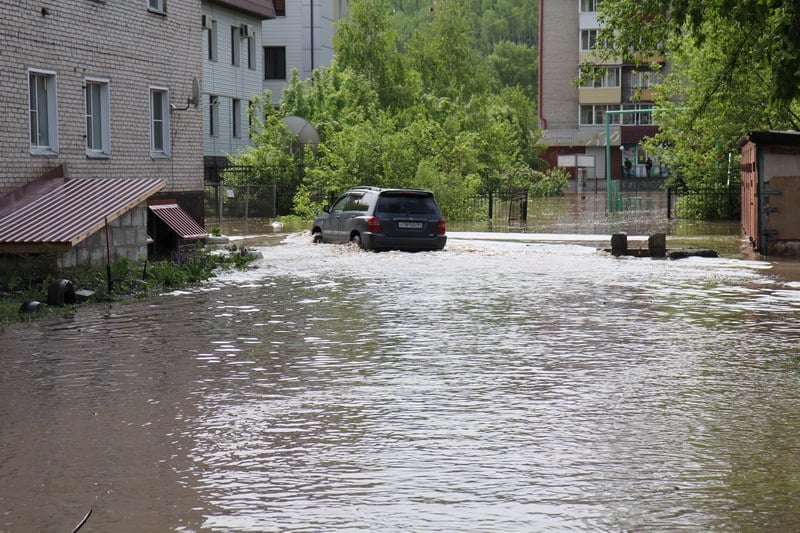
[500,385]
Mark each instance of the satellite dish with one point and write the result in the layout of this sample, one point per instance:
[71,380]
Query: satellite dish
[303,131]
[193,100]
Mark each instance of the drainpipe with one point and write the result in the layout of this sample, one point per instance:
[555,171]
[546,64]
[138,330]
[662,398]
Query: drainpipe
[542,120]
[311,30]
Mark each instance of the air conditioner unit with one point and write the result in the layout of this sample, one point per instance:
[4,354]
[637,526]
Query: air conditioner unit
[246,31]
[206,22]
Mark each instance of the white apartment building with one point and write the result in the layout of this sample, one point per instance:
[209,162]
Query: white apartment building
[299,37]
[233,73]
[573,118]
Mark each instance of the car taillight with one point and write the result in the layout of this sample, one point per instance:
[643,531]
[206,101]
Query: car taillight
[374,225]
[442,229]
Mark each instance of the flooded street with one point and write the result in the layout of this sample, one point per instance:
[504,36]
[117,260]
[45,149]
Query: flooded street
[508,383]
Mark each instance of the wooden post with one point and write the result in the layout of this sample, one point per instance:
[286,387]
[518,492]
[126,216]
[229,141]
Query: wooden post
[657,245]
[619,243]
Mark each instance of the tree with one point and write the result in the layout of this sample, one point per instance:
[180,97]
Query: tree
[729,75]
[366,43]
[514,65]
[443,54]
[766,31]
[428,117]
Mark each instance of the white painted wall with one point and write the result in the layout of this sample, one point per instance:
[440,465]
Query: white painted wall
[307,33]
[228,81]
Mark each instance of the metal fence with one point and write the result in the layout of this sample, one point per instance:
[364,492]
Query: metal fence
[708,203]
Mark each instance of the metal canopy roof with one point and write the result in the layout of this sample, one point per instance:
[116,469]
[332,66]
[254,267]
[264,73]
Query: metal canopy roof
[177,219]
[66,215]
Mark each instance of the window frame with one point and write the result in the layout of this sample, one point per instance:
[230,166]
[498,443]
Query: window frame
[250,111]
[157,6]
[252,60]
[51,109]
[236,47]
[212,41]
[589,39]
[612,77]
[589,6]
[160,123]
[236,118]
[643,115]
[213,115]
[270,73]
[103,148]
[598,112]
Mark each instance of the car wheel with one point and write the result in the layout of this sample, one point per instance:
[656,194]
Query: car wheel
[316,237]
[356,239]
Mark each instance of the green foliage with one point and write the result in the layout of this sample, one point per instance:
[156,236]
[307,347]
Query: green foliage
[552,182]
[271,152]
[427,114]
[514,65]
[729,75]
[128,278]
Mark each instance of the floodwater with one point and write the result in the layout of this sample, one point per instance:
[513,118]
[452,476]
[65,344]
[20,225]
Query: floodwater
[513,382]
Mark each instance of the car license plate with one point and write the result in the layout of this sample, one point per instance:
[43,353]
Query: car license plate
[409,225]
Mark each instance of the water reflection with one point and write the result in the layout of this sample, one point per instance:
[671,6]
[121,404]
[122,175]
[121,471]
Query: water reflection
[501,385]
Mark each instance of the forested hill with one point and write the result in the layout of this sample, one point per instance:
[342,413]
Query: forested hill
[504,32]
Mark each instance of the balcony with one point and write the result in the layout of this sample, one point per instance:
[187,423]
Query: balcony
[600,95]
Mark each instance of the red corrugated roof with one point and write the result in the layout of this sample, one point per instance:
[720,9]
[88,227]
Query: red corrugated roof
[178,219]
[69,213]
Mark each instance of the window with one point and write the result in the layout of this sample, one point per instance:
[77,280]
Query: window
[235,47]
[43,120]
[251,53]
[644,79]
[589,5]
[588,39]
[642,116]
[250,119]
[280,7]
[274,62]
[236,118]
[98,124]
[157,6]
[602,77]
[594,115]
[212,41]
[159,120]
[213,115]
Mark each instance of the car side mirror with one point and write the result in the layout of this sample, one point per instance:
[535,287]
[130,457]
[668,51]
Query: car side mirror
[326,209]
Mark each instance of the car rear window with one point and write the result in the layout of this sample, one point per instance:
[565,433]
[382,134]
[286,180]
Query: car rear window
[407,203]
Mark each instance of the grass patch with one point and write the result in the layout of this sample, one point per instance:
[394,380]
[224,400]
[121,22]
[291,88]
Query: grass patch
[128,279]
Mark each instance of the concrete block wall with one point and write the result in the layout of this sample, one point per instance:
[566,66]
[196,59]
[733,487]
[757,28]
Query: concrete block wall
[127,236]
[120,41]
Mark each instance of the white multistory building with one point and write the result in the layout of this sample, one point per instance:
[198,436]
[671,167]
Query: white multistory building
[299,37]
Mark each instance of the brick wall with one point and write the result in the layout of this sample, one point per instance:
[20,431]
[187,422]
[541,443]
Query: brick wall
[119,41]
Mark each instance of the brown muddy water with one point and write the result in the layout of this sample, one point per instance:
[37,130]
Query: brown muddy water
[513,382]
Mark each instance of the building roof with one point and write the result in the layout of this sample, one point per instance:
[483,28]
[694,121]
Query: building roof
[259,8]
[790,138]
[177,219]
[69,212]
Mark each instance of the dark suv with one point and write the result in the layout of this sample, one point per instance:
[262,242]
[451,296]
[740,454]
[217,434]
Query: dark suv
[383,219]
